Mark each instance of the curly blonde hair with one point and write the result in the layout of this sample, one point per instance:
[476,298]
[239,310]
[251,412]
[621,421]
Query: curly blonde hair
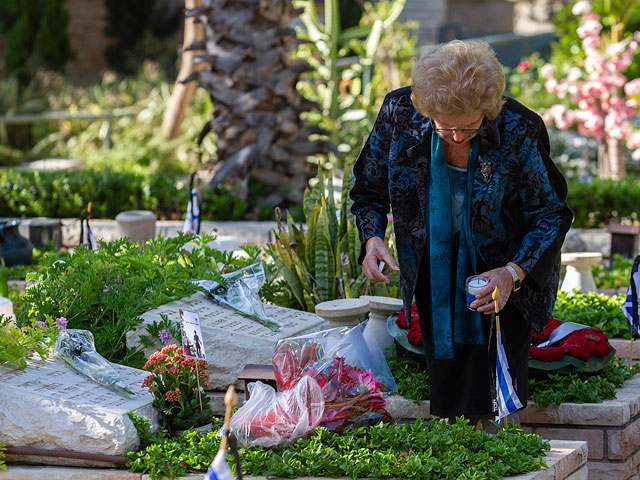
[457,78]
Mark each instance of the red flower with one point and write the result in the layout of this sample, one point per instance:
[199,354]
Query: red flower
[581,344]
[415,334]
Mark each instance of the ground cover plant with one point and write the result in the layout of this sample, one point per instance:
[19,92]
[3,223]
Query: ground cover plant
[105,291]
[419,450]
[555,389]
[544,389]
[595,310]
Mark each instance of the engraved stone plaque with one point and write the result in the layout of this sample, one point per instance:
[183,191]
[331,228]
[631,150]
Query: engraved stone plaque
[231,339]
[49,405]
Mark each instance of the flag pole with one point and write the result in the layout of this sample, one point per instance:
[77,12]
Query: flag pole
[630,354]
[495,295]
[230,400]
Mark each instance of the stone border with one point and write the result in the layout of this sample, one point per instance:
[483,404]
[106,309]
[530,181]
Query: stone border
[565,461]
[248,232]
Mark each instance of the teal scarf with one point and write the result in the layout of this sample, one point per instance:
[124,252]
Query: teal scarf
[451,320]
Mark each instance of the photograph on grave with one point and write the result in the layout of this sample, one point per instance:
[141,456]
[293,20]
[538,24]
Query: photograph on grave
[192,345]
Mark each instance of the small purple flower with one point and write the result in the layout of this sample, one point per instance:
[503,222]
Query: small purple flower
[61,322]
[105,290]
[150,289]
[42,324]
[165,335]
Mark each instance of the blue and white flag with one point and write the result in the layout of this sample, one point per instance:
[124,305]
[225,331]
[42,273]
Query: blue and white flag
[630,307]
[192,218]
[219,470]
[508,401]
[86,236]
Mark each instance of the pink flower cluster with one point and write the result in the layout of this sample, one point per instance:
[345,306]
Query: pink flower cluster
[602,101]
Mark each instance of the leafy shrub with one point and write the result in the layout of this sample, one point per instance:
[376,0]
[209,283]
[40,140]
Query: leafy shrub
[105,291]
[599,202]
[595,310]
[419,450]
[616,276]
[19,344]
[31,193]
[36,35]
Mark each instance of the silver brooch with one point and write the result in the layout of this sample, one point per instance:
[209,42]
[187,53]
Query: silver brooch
[485,171]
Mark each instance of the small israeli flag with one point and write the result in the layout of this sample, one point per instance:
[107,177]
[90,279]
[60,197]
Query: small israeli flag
[219,470]
[192,218]
[508,401]
[630,307]
[86,236]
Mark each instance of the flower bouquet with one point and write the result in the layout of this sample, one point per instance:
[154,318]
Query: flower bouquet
[331,379]
[583,350]
[76,348]
[177,384]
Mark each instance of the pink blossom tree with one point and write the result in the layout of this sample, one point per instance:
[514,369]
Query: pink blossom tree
[596,96]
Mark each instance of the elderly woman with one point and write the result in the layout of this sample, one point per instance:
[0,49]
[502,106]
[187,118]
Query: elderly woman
[468,177]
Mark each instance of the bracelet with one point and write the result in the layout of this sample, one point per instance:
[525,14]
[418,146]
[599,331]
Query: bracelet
[514,277]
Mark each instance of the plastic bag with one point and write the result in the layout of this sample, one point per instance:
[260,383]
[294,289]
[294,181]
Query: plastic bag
[349,367]
[240,292]
[269,418]
[77,349]
[314,354]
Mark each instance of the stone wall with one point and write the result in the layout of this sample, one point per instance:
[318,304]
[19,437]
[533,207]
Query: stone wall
[611,429]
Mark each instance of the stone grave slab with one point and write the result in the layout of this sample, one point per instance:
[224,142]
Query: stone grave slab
[230,339]
[50,406]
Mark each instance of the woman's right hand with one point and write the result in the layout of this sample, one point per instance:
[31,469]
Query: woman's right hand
[377,252]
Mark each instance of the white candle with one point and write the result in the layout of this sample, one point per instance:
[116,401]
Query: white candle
[474,285]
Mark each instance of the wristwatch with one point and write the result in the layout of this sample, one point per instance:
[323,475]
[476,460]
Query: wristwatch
[514,277]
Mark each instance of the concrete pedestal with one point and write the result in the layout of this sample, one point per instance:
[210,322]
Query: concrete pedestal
[578,275]
[138,225]
[342,312]
[379,310]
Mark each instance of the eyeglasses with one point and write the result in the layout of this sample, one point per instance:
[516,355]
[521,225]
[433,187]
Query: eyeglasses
[451,131]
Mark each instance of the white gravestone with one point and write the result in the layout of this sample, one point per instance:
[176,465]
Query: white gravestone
[231,339]
[50,406]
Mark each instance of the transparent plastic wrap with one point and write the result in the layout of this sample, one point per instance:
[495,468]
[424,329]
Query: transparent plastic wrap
[269,418]
[77,349]
[241,293]
[349,367]
[339,376]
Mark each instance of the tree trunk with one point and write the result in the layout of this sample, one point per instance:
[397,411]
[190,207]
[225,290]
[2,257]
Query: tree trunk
[611,159]
[251,78]
[182,92]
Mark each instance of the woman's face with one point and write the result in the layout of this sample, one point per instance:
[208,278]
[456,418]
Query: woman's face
[458,129]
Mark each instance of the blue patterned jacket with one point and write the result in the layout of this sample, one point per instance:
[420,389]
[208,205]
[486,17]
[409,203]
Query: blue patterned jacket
[518,206]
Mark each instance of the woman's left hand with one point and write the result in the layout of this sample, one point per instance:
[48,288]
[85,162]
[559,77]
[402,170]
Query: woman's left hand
[498,277]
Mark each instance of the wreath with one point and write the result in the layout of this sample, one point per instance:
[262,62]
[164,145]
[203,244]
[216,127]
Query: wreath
[584,350]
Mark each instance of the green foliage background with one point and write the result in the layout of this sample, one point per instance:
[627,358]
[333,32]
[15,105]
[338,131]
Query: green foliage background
[36,37]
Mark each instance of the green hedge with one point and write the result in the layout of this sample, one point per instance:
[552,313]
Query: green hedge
[28,193]
[599,202]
